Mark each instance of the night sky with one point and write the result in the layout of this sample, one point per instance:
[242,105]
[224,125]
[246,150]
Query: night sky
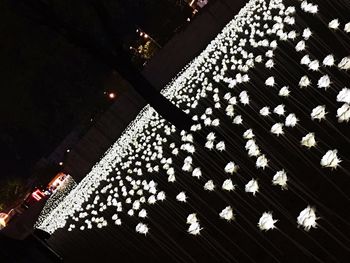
[49,86]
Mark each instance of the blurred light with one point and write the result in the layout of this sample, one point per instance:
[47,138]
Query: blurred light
[111,95]
[61,163]
[68,150]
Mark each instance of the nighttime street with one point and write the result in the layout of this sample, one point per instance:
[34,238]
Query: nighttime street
[175,131]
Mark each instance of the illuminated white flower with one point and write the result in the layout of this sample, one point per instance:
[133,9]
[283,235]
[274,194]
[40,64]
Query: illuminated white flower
[187,167]
[227,213]
[324,82]
[319,113]
[161,196]
[265,111]
[328,61]
[266,222]
[244,98]
[284,92]
[261,162]
[330,159]
[309,140]
[344,96]
[220,146]
[269,63]
[231,168]
[197,172]
[194,228]
[314,65]
[277,129]
[334,24]
[209,145]
[344,63]
[181,197]
[305,60]
[252,187]
[142,228]
[270,82]
[171,178]
[280,178]
[248,134]
[347,28]
[192,218]
[238,120]
[228,185]
[304,82]
[143,213]
[307,218]
[307,33]
[291,120]
[300,46]
[279,110]
[209,186]
[343,113]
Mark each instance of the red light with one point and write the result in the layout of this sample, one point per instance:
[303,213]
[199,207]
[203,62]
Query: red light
[37,195]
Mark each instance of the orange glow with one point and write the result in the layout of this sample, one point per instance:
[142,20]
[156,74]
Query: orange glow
[3,220]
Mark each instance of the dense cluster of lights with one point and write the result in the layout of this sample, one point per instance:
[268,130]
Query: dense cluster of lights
[215,82]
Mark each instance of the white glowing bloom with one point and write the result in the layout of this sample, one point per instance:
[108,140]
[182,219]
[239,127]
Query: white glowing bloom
[253,150]
[191,218]
[142,228]
[347,28]
[344,96]
[261,162]
[197,172]
[244,98]
[248,134]
[343,113]
[277,129]
[270,82]
[269,63]
[181,197]
[291,120]
[171,178]
[314,65]
[319,113]
[161,196]
[143,213]
[211,136]
[220,146]
[305,60]
[209,186]
[187,167]
[334,24]
[324,82]
[209,145]
[330,159]
[284,92]
[265,111]
[307,33]
[309,140]
[344,63]
[194,228]
[227,214]
[328,61]
[238,120]
[228,185]
[280,178]
[304,82]
[279,110]
[266,222]
[231,168]
[300,46]
[252,187]
[307,218]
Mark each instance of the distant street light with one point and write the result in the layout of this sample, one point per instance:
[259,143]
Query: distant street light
[111,95]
